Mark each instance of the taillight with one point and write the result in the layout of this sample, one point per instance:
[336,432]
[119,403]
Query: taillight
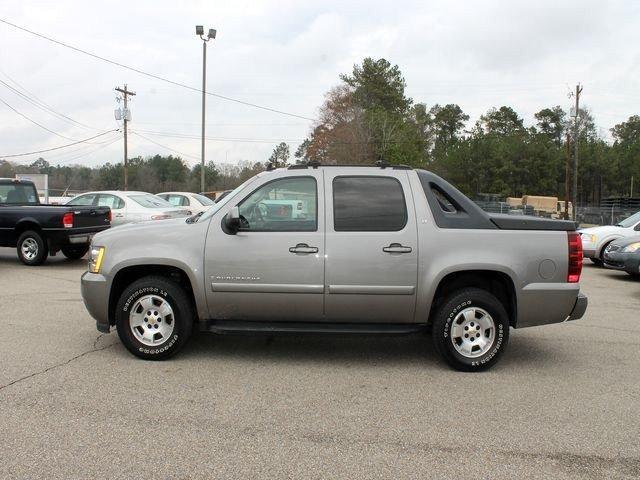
[575,257]
[110,216]
[67,220]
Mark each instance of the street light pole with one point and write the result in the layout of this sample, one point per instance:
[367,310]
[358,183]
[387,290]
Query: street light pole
[210,35]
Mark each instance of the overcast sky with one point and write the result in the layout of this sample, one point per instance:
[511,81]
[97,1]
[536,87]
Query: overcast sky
[286,55]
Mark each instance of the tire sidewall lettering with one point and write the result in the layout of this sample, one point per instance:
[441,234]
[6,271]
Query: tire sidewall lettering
[487,357]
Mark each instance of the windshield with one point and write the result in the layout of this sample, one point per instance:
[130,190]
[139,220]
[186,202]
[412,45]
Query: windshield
[202,199]
[630,221]
[147,200]
[18,194]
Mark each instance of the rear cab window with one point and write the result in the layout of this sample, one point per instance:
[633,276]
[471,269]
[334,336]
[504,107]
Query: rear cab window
[16,193]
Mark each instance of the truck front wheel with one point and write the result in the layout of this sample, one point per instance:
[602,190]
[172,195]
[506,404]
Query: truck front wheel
[32,248]
[154,318]
[471,329]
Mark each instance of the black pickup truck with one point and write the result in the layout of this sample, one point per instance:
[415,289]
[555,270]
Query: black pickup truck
[39,230]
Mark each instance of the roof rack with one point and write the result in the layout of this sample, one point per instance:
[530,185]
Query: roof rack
[379,164]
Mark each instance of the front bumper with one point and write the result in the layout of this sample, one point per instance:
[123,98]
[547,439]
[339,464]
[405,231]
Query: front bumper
[95,294]
[626,261]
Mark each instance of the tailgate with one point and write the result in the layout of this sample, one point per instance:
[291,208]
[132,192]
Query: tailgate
[86,217]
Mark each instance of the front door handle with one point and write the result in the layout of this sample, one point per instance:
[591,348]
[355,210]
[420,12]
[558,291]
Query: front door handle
[303,248]
[396,248]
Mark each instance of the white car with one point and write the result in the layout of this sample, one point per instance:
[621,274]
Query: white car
[193,201]
[131,207]
[596,239]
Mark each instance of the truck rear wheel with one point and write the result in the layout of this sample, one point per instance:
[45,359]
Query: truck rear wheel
[75,253]
[32,249]
[154,318]
[471,330]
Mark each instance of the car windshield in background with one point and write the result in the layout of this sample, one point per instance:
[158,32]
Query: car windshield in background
[150,201]
[18,194]
[203,200]
[630,221]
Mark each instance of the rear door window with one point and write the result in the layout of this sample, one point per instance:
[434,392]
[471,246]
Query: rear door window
[111,201]
[83,200]
[368,204]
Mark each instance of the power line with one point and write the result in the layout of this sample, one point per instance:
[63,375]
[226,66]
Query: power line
[151,75]
[34,100]
[13,155]
[36,123]
[164,146]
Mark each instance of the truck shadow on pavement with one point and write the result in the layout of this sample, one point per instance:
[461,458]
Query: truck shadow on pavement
[413,350]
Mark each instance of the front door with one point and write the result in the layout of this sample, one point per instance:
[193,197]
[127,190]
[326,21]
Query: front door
[371,246]
[273,267]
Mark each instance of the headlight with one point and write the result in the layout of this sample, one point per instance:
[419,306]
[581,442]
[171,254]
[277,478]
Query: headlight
[95,259]
[587,237]
[634,247]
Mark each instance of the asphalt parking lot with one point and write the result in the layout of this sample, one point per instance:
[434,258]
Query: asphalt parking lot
[562,403]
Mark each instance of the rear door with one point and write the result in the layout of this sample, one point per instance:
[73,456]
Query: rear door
[273,268]
[117,206]
[371,246]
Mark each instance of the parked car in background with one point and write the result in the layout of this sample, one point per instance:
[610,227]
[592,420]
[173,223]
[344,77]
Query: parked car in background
[596,239]
[131,207]
[221,195]
[378,250]
[624,254]
[194,202]
[39,230]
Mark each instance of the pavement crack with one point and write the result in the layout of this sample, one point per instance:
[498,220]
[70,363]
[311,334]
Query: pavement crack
[59,365]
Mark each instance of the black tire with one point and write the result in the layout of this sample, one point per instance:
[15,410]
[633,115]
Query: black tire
[182,317]
[75,253]
[448,312]
[597,262]
[32,248]
[635,276]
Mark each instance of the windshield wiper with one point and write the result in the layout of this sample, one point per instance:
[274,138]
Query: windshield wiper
[194,218]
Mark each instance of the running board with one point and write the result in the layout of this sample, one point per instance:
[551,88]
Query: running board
[242,326]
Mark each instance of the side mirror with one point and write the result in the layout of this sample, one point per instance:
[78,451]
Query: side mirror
[232,220]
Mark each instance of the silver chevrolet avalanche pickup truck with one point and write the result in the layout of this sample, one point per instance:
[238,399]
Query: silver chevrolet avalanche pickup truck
[341,249]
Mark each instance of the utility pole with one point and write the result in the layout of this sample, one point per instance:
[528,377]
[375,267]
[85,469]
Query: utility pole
[575,152]
[125,116]
[567,179]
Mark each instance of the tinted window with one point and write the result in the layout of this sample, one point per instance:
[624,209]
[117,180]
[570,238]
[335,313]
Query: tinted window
[285,205]
[16,193]
[110,201]
[373,204]
[83,200]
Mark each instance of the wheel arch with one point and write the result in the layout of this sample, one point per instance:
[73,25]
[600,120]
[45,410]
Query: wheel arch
[127,275]
[495,282]
[27,224]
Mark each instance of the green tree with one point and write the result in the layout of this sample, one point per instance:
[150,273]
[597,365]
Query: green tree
[280,155]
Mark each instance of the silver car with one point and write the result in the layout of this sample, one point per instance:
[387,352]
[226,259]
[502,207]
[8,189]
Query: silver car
[131,207]
[195,202]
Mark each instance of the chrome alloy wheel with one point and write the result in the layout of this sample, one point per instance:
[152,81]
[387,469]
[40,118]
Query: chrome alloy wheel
[29,248]
[151,320]
[473,332]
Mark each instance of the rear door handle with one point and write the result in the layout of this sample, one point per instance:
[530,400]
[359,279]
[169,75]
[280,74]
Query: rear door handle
[303,248]
[396,248]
